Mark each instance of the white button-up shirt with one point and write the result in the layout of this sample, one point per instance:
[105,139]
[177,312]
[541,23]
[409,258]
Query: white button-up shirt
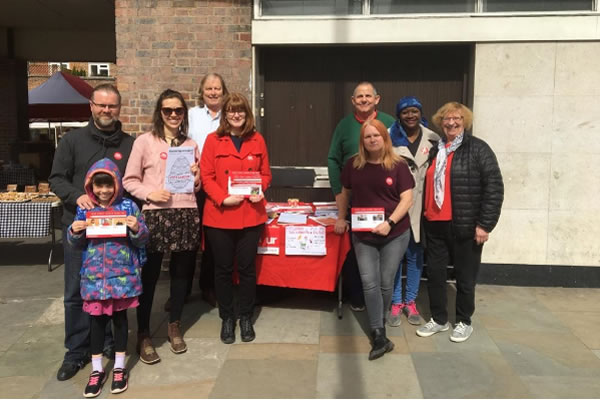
[201,124]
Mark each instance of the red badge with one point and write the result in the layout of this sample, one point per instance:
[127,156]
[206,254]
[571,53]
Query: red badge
[163,155]
[117,156]
[389,181]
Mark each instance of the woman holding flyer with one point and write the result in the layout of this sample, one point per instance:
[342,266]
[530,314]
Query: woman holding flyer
[378,184]
[233,166]
[163,172]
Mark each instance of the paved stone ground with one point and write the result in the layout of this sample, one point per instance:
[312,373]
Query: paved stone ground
[528,343]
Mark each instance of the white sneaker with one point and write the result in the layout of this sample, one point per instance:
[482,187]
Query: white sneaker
[431,328]
[461,332]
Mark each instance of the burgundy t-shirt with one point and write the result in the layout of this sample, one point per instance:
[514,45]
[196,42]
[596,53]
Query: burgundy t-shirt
[374,186]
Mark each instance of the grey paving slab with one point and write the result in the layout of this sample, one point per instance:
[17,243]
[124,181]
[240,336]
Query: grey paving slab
[39,358]
[354,376]
[352,324]
[569,299]
[21,386]
[17,315]
[467,375]
[562,387]
[284,325]
[582,324]
[493,298]
[596,352]
[71,389]
[546,353]
[266,379]
[202,361]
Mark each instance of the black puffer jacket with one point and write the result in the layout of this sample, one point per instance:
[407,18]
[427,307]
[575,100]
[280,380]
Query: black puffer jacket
[476,186]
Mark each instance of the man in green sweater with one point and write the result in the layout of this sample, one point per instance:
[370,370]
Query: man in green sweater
[344,145]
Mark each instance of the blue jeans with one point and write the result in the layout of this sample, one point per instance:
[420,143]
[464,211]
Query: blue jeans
[378,266]
[77,322]
[414,269]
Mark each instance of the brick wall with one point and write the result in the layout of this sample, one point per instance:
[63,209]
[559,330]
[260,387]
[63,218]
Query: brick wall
[40,71]
[13,106]
[172,44]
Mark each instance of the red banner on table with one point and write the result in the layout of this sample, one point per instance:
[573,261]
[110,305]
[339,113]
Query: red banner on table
[270,240]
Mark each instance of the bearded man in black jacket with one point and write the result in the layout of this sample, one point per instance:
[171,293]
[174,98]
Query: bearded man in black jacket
[76,152]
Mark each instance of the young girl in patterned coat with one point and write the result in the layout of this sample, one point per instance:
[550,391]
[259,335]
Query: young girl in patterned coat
[111,271]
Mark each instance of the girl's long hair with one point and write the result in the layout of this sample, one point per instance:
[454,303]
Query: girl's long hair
[389,159]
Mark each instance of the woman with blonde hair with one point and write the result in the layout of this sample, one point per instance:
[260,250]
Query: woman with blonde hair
[463,198]
[377,178]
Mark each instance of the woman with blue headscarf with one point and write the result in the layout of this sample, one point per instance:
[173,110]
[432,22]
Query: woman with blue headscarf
[412,140]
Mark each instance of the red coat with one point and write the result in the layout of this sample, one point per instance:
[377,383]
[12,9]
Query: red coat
[219,158]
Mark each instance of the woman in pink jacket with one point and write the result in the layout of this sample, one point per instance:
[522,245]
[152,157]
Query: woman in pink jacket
[172,218]
[234,223]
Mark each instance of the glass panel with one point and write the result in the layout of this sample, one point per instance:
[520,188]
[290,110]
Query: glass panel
[538,5]
[422,6]
[311,7]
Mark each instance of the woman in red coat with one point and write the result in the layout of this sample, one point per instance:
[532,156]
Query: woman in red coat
[234,223]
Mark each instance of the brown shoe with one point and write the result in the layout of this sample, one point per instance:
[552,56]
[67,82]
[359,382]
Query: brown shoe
[176,338]
[145,349]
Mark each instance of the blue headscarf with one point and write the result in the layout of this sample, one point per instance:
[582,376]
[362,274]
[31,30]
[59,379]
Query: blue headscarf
[397,132]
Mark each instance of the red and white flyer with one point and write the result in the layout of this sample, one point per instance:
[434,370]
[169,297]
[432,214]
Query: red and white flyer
[270,240]
[244,183]
[365,219]
[106,224]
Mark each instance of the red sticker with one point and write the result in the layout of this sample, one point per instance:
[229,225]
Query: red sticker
[118,156]
[163,155]
[389,181]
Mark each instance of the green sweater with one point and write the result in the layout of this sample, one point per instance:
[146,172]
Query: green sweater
[344,145]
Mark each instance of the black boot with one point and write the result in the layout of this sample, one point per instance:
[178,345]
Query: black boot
[228,330]
[381,344]
[247,331]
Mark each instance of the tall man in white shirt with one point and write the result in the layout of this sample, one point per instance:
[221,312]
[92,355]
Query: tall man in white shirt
[204,119]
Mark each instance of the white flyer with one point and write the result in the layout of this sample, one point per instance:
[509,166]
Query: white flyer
[179,178]
[305,241]
[365,219]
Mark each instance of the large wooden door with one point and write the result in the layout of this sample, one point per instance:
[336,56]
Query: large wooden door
[305,91]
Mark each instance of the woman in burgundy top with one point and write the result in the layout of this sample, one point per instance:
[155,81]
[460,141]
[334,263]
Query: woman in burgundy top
[378,178]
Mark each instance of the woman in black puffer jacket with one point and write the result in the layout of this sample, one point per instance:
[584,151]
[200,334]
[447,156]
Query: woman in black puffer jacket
[463,199]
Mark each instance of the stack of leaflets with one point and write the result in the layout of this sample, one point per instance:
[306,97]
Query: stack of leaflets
[301,208]
[325,208]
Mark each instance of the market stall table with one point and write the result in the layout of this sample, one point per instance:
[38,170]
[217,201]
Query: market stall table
[306,272]
[28,220]
[16,175]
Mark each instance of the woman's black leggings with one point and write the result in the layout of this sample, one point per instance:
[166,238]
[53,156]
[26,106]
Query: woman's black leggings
[98,328]
[181,270]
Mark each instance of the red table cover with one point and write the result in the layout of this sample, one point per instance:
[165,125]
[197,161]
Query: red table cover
[305,272]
